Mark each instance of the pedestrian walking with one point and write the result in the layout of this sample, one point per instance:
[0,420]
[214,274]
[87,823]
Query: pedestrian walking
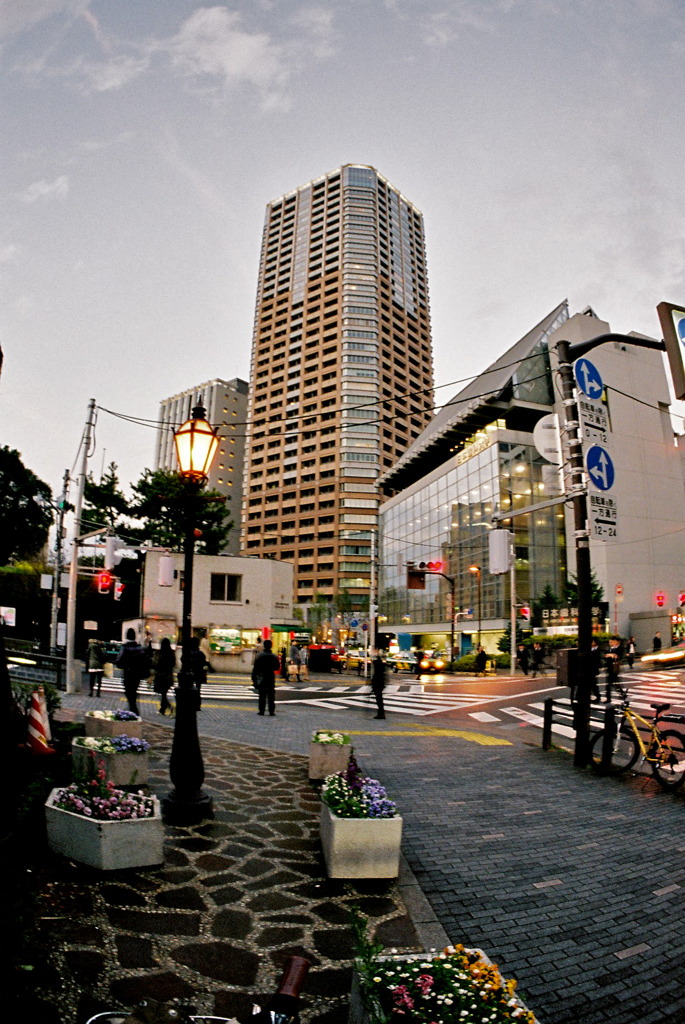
[656,642]
[378,684]
[95,663]
[165,663]
[522,658]
[284,664]
[264,677]
[295,661]
[538,660]
[481,662]
[612,662]
[134,662]
[631,651]
[199,667]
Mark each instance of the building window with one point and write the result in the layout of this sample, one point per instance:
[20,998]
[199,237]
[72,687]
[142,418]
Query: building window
[225,587]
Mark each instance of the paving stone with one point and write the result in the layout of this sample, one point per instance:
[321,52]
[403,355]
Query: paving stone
[182,898]
[86,965]
[163,986]
[334,943]
[232,924]
[272,901]
[225,894]
[214,862]
[219,960]
[134,951]
[155,923]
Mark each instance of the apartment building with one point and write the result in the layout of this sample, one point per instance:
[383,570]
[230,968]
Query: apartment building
[341,376]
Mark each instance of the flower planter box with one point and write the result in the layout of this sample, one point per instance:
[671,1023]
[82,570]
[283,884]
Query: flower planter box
[122,768]
[113,727]
[107,845]
[328,758]
[360,847]
[358,1012]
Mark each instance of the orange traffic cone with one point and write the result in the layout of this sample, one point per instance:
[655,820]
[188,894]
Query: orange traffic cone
[39,724]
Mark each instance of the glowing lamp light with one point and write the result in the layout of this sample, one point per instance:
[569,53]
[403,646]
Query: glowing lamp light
[660,599]
[196,444]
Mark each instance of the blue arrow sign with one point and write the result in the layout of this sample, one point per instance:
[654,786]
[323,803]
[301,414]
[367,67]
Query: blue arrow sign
[354,623]
[588,378]
[600,468]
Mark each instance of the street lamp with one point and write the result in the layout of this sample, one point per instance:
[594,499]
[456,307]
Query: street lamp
[476,569]
[187,804]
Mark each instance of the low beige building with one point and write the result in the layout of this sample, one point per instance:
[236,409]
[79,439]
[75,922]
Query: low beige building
[237,602]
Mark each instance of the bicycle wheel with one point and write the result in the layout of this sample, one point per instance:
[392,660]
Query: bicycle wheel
[623,756]
[669,770]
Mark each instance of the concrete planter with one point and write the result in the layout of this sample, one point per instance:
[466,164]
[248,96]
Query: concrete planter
[112,727]
[122,768]
[360,847]
[328,758]
[106,845]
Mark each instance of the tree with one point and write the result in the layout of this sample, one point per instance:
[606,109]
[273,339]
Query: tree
[24,522]
[104,504]
[596,590]
[161,501]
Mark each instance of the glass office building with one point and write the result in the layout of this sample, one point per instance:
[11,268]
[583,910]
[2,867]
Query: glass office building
[476,459]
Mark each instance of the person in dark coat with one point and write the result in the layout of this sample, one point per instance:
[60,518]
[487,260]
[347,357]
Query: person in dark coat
[264,677]
[134,662]
[284,664]
[656,642]
[165,663]
[95,665]
[522,658]
[612,662]
[481,662]
[199,666]
[595,665]
[378,684]
[631,651]
[538,660]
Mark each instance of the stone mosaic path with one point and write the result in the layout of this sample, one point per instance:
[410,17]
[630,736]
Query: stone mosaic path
[214,925]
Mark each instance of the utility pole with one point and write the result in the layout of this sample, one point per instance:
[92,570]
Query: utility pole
[73,569]
[61,510]
[567,354]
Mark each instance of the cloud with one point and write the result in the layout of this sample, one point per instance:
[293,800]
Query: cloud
[43,190]
[17,16]
[212,43]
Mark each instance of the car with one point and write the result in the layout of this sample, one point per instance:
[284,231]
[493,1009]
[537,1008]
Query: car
[401,662]
[433,661]
[666,657]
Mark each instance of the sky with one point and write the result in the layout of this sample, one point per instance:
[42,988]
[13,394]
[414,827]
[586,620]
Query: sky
[142,139]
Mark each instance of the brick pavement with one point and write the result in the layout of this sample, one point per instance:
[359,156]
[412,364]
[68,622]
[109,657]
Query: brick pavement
[572,883]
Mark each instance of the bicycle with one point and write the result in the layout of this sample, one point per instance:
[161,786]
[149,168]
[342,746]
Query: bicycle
[664,751]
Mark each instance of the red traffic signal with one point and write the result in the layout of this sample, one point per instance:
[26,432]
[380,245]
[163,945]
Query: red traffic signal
[660,599]
[431,566]
[104,582]
[525,612]
[681,598]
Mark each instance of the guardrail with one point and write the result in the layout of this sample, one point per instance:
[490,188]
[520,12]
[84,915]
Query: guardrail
[33,667]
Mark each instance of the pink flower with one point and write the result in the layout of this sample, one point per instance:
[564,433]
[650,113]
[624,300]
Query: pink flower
[424,982]
[401,997]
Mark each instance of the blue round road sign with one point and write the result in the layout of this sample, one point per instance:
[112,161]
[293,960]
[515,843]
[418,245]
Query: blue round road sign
[588,379]
[599,467]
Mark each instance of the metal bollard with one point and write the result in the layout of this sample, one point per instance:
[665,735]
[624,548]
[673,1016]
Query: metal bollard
[609,737]
[547,723]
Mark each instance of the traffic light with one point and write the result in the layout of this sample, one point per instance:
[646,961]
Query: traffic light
[118,589]
[431,566]
[681,598]
[525,612]
[660,599]
[113,554]
[104,582]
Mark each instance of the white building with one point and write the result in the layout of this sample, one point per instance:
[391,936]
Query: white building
[225,404]
[236,603]
[478,459]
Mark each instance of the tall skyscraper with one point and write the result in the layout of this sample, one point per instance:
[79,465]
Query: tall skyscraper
[225,403]
[341,376]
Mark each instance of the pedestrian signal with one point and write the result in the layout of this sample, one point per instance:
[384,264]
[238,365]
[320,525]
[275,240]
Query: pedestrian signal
[104,582]
[525,612]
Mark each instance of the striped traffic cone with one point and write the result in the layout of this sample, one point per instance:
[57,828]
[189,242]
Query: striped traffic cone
[39,724]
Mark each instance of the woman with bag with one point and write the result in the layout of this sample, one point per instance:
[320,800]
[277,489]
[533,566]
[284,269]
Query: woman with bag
[164,674]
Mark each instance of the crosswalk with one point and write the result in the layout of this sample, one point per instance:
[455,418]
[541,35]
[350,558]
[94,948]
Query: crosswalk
[644,689]
[412,699]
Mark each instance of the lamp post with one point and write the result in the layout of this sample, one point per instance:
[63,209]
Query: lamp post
[476,569]
[188,804]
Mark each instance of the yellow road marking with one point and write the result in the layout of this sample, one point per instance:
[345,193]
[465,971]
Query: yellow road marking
[472,737]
